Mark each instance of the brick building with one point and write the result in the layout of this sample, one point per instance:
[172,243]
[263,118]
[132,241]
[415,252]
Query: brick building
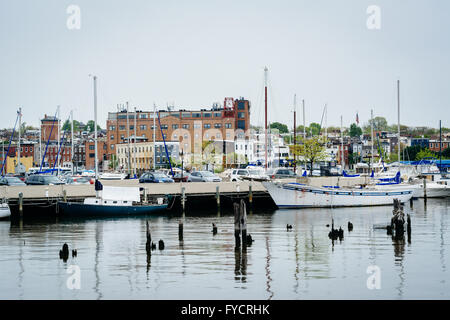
[46,128]
[434,145]
[89,149]
[186,126]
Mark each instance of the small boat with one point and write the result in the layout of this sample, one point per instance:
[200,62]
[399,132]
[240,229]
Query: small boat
[297,195]
[114,201]
[112,176]
[5,211]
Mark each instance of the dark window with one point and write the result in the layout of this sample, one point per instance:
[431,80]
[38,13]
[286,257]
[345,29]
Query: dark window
[241,105]
[241,124]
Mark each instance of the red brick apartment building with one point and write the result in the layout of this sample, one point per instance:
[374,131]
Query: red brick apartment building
[186,126]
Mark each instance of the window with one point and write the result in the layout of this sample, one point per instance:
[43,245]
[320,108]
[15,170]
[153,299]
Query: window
[207,125]
[143,127]
[241,105]
[112,147]
[174,126]
[131,127]
[196,115]
[112,137]
[164,126]
[111,128]
[241,115]
[143,116]
[197,126]
[121,127]
[217,125]
[185,126]
[207,114]
[228,125]
[92,147]
[217,114]
[185,114]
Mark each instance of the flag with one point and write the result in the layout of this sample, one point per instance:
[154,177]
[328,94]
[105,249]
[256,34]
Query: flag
[357,118]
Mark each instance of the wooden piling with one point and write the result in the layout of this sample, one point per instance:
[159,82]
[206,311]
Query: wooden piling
[250,196]
[237,224]
[425,190]
[148,244]
[180,231]
[411,203]
[21,204]
[408,227]
[218,197]
[65,195]
[183,198]
[243,220]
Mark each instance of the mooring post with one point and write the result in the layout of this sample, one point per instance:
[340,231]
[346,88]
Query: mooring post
[145,195]
[425,190]
[218,197]
[21,204]
[148,244]
[183,198]
[411,203]
[65,195]
[237,224]
[250,195]
[180,230]
[408,227]
[243,216]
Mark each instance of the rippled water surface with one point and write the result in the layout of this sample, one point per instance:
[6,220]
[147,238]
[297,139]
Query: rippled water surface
[299,264]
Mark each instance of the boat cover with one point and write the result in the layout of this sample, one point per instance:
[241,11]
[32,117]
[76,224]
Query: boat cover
[121,193]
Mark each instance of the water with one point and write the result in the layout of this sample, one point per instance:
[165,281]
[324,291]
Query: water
[299,264]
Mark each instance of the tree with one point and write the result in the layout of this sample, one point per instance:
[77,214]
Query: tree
[312,150]
[67,126]
[314,128]
[355,131]
[425,153]
[446,153]
[282,128]
[90,126]
[412,151]
[379,124]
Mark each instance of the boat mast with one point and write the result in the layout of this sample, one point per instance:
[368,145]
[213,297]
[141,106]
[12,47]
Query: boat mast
[371,133]
[265,111]
[398,116]
[154,136]
[295,132]
[342,148]
[95,127]
[440,145]
[18,144]
[134,144]
[59,137]
[71,138]
[128,138]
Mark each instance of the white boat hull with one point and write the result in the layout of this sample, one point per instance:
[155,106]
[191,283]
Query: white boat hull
[5,211]
[295,195]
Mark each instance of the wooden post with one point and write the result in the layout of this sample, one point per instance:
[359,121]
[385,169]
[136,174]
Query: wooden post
[411,203]
[21,204]
[180,231]
[237,224]
[408,227]
[65,195]
[218,197]
[148,244]
[425,190]
[145,195]
[250,196]
[183,198]
[243,220]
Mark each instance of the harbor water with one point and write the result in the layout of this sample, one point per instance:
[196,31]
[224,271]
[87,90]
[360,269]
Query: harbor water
[301,263]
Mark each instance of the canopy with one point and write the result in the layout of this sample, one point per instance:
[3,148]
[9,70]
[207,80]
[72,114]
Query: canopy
[121,193]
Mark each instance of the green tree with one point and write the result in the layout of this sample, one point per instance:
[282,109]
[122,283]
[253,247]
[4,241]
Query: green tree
[90,125]
[355,131]
[314,128]
[411,152]
[282,128]
[311,150]
[446,153]
[67,126]
[424,153]
[379,123]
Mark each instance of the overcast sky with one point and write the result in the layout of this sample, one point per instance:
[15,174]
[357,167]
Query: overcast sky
[194,53]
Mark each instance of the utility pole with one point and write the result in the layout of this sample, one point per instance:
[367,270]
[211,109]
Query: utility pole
[265,112]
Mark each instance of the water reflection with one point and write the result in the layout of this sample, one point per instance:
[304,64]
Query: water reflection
[301,263]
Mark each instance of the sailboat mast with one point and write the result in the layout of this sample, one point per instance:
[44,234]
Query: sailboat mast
[398,116]
[95,127]
[265,112]
[371,133]
[342,148]
[304,121]
[59,136]
[134,144]
[18,149]
[71,138]
[154,136]
[295,132]
[128,138]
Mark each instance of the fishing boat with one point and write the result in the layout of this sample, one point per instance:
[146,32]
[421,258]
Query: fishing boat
[5,211]
[113,201]
[297,195]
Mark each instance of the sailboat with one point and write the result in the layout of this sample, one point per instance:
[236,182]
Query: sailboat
[5,211]
[111,200]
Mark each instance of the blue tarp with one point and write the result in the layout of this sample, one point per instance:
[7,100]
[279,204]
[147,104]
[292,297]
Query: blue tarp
[345,174]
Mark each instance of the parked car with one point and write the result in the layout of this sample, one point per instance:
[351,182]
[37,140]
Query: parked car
[11,181]
[40,179]
[179,178]
[281,173]
[203,176]
[155,177]
[248,174]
